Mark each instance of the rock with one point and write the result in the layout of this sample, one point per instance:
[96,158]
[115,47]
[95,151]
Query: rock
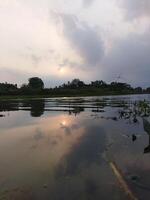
[114,118]
[135,120]
[134,177]
[134,137]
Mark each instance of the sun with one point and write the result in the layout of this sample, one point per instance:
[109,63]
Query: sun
[63,123]
[62,70]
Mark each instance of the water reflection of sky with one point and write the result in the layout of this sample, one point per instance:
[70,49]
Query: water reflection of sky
[65,155]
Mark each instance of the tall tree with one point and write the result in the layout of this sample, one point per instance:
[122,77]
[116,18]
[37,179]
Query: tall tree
[36,83]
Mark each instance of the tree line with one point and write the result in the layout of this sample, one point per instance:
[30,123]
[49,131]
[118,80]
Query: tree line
[35,86]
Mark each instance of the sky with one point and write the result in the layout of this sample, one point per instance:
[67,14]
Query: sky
[58,40]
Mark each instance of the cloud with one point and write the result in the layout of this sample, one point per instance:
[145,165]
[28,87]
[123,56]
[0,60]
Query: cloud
[21,76]
[83,38]
[35,59]
[136,8]
[91,42]
[70,64]
[14,75]
[37,56]
[87,3]
[130,56]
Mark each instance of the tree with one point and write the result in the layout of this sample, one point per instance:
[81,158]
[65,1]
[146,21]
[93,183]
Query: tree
[148,90]
[138,90]
[36,83]
[76,83]
[98,84]
[117,86]
[8,88]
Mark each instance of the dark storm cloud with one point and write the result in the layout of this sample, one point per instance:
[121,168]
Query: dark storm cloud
[131,57]
[83,39]
[136,8]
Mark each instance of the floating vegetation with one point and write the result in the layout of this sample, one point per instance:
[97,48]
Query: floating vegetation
[144,108]
[96,116]
[135,110]
[77,110]
[98,110]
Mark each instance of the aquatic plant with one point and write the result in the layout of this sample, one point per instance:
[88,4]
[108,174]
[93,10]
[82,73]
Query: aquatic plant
[135,110]
[144,108]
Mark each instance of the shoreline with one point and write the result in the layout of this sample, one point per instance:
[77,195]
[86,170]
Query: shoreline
[17,97]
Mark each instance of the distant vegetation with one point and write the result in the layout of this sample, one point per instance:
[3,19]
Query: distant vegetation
[76,87]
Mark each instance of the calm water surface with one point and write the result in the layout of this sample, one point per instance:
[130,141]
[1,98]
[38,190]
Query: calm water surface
[61,149]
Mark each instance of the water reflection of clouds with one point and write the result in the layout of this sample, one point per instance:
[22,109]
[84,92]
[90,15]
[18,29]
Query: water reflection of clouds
[65,126]
[129,155]
[51,134]
[83,170]
[87,151]
[38,135]
[39,145]
[67,151]
[15,119]
[69,127]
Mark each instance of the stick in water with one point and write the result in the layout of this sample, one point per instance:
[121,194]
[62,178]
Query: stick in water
[122,182]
